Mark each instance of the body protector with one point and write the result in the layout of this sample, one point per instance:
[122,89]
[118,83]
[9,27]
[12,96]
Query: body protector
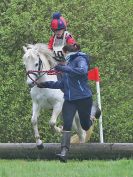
[58,44]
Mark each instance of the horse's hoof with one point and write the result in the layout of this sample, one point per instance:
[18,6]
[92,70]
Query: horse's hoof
[40,146]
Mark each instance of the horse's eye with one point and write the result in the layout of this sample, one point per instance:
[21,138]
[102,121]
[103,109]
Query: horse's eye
[36,64]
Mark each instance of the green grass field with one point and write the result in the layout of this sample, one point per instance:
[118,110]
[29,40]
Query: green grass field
[90,168]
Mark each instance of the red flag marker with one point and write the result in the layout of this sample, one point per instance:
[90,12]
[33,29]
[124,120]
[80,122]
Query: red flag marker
[93,74]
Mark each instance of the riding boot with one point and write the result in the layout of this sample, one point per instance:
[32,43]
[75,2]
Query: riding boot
[95,111]
[65,145]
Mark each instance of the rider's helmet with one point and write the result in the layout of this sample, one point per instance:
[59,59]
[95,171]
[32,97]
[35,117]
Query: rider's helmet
[58,22]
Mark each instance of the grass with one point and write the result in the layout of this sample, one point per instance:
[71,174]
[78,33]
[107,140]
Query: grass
[39,168]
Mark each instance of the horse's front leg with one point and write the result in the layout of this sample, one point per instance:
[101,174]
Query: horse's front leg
[56,111]
[35,114]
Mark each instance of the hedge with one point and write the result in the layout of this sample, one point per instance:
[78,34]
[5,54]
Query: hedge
[104,31]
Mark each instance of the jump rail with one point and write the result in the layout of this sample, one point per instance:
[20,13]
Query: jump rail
[77,151]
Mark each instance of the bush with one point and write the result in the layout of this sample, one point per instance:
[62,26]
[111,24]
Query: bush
[103,29]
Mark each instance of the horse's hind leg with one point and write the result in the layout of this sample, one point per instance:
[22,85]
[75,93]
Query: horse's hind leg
[35,114]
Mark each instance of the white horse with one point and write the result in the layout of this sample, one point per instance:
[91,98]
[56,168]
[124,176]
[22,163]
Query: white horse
[37,59]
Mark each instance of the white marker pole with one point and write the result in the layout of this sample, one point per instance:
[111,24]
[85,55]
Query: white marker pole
[99,104]
[93,74]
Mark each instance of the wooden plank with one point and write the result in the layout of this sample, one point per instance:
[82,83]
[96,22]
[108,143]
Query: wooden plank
[77,151]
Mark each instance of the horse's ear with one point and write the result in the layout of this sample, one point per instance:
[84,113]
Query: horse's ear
[25,49]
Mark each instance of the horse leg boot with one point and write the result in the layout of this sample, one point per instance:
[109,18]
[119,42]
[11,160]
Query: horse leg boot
[65,145]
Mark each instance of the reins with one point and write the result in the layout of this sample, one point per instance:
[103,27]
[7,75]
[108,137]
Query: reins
[34,72]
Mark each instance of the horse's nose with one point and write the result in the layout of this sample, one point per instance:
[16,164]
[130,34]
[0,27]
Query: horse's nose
[31,84]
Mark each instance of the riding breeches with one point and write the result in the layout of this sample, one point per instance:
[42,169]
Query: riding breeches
[83,106]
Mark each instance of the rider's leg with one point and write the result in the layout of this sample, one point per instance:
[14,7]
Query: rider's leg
[87,115]
[65,145]
[84,110]
[68,112]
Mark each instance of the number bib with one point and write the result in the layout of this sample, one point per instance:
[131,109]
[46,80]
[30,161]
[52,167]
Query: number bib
[58,45]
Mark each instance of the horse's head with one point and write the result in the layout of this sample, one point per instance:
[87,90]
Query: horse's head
[37,58]
[32,62]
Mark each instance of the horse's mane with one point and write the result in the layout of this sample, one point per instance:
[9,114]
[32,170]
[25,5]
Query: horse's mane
[41,48]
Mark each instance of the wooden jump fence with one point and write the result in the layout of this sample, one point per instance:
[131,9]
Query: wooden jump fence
[77,151]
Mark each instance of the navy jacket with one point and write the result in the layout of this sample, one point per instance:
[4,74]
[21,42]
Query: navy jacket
[74,82]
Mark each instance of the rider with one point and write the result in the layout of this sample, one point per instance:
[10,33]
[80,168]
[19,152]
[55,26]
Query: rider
[77,94]
[60,36]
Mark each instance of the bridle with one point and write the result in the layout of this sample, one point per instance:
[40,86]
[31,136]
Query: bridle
[39,73]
